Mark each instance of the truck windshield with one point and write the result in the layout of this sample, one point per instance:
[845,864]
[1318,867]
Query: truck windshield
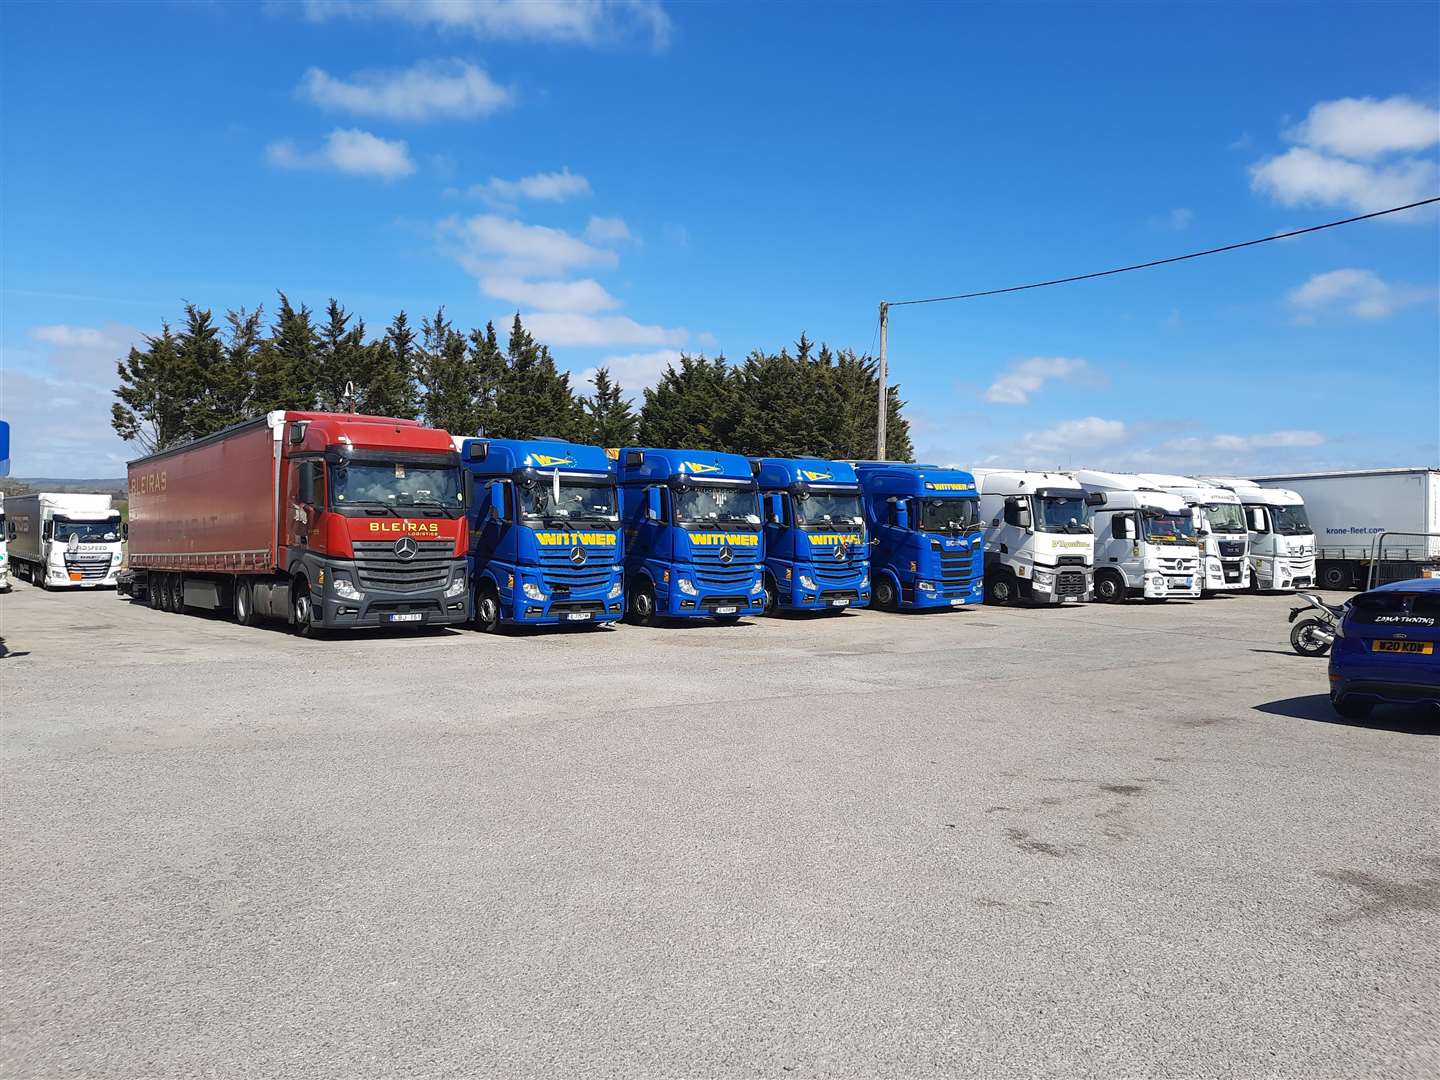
[1161,528]
[394,483]
[828,508]
[1225,518]
[949,515]
[735,504]
[1290,520]
[579,500]
[86,532]
[1065,514]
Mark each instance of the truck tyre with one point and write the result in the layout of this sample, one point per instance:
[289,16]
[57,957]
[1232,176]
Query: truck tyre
[177,583]
[1336,576]
[167,601]
[1000,588]
[884,594]
[1351,709]
[487,608]
[772,596]
[152,590]
[1109,587]
[244,603]
[642,605]
[302,611]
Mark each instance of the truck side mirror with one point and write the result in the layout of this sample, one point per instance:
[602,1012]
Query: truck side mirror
[124,530]
[1017,512]
[495,495]
[297,432]
[1256,515]
[652,504]
[48,531]
[900,515]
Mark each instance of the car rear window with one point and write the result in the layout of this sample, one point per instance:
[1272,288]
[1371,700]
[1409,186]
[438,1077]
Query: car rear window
[1384,607]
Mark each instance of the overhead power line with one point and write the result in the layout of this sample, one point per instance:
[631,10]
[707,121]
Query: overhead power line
[1163,262]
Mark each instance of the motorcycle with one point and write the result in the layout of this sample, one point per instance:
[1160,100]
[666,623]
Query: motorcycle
[1314,634]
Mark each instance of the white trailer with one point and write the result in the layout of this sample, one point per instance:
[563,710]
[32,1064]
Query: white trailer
[59,539]
[1370,523]
[1038,543]
[1220,520]
[1282,543]
[4,545]
[1146,543]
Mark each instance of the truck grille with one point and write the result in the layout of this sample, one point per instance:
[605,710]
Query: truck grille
[840,573]
[378,567]
[957,572]
[1070,560]
[709,570]
[1232,549]
[1070,583]
[562,575]
[1177,566]
[89,567]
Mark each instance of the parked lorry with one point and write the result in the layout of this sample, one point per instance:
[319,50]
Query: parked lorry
[1281,542]
[926,547]
[545,533]
[1220,522]
[326,521]
[1385,519]
[4,548]
[1146,543]
[693,547]
[1039,546]
[817,556]
[64,539]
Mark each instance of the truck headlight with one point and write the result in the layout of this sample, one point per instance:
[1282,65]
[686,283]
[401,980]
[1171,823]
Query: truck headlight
[758,587]
[925,586]
[806,581]
[456,587]
[343,588]
[616,590]
[533,591]
[686,586]
[1043,577]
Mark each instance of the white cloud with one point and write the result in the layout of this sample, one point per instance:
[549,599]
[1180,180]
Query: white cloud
[541,187]
[59,408]
[1015,385]
[426,91]
[347,150]
[586,294]
[584,22]
[635,371]
[1362,294]
[1069,435]
[1269,440]
[1366,128]
[607,230]
[1337,161]
[489,245]
[1177,220]
[599,331]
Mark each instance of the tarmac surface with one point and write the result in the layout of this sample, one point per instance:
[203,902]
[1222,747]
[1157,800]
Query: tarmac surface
[1085,842]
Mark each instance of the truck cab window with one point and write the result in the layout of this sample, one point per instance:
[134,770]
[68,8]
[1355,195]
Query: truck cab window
[949,515]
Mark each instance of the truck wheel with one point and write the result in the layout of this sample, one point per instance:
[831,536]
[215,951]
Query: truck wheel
[884,594]
[487,609]
[244,604]
[1336,576]
[167,602]
[178,584]
[642,605]
[1109,588]
[772,596]
[152,590]
[1000,589]
[302,612]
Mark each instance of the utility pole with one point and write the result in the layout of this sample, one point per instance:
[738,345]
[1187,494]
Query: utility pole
[884,406]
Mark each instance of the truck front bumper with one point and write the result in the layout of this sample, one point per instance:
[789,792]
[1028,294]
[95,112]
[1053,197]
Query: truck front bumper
[1061,585]
[596,606]
[1162,586]
[1283,574]
[913,596]
[821,594]
[336,609]
[1226,575]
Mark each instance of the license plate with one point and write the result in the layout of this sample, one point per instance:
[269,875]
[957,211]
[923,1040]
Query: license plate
[725,610]
[1414,648]
[839,603]
[407,616]
[1183,582]
[957,603]
[578,616]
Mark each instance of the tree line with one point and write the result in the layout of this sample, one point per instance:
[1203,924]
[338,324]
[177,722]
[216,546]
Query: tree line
[198,376]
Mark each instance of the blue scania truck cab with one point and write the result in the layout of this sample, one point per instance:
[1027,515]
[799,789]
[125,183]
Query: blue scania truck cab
[544,533]
[927,546]
[693,545]
[817,556]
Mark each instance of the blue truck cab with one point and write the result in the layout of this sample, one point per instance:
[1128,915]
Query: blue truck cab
[927,542]
[544,533]
[693,545]
[817,555]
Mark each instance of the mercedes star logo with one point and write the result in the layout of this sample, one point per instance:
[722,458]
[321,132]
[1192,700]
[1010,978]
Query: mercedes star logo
[726,555]
[406,548]
[841,550]
[577,555]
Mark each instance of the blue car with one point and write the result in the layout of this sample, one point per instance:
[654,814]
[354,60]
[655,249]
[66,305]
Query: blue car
[1388,649]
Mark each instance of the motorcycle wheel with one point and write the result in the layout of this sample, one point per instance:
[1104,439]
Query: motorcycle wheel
[1305,638]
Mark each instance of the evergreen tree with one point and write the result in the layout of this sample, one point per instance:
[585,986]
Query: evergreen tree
[695,407]
[287,368]
[387,383]
[451,389]
[200,359]
[342,359]
[487,363]
[535,398]
[233,385]
[610,419]
[149,413]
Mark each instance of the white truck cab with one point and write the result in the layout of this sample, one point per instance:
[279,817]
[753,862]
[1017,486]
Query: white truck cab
[1146,543]
[62,539]
[1039,546]
[1220,521]
[1282,543]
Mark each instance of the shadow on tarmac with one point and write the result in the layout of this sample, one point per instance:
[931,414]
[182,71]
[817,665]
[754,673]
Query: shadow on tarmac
[1403,719]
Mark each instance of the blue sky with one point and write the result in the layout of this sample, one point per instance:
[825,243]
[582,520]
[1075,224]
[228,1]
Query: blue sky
[643,178]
